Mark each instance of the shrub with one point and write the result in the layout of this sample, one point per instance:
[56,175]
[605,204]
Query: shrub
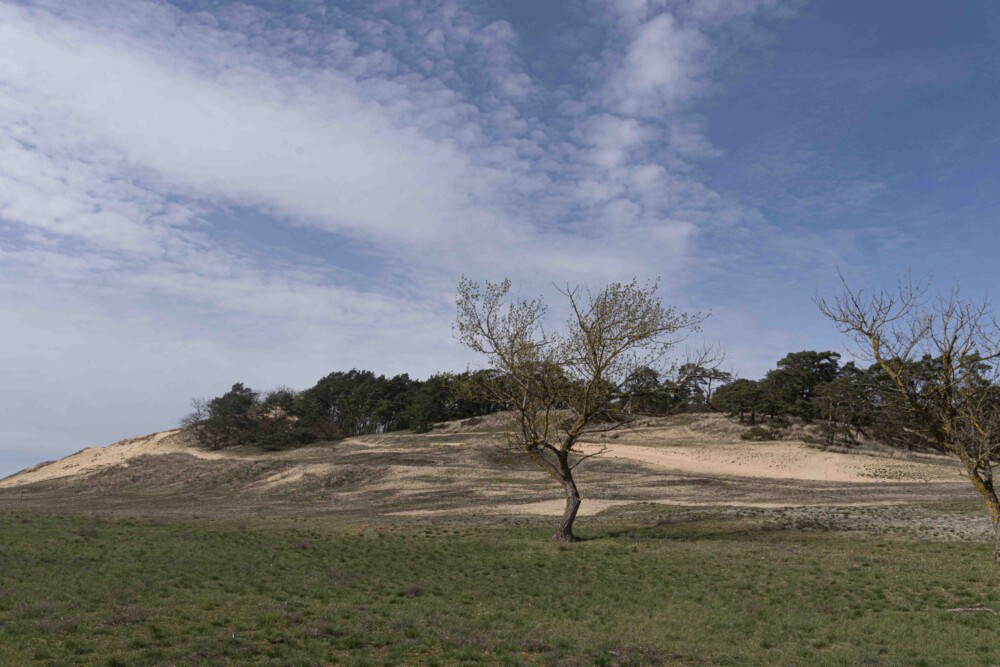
[294,437]
[760,434]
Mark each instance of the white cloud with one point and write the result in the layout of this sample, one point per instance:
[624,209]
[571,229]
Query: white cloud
[329,158]
[663,65]
[415,139]
[613,137]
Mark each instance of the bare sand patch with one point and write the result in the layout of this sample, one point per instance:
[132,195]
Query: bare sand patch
[556,507]
[293,475]
[782,460]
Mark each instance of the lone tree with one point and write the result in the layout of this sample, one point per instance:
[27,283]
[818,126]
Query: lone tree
[941,353]
[568,384]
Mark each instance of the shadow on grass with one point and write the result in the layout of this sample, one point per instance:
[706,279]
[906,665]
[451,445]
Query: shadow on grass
[683,529]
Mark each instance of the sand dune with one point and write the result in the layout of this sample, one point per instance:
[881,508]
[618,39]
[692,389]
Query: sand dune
[93,459]
[695,461]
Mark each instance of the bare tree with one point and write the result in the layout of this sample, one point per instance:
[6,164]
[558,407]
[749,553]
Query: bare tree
[941,353]
[567,384]
[199,413]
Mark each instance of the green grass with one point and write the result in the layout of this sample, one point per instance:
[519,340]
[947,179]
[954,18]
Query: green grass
[698,589]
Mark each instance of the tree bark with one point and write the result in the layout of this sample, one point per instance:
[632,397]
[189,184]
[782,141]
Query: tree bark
[993,504]
[984,485]
[573,500]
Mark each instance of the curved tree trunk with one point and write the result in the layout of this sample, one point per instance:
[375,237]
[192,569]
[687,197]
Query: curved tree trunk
[982,479]
[573,500]
[993,504]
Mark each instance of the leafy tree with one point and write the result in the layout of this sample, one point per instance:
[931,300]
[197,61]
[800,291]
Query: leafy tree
[431,402]
[449,396]
[646,393]
[566,385]
[702,382]
[356,402]
[741,398]
[684,387]
[468,398]
[892,420]
[394,397]
[226,421]
[792,385]
[276,426]
[844,405]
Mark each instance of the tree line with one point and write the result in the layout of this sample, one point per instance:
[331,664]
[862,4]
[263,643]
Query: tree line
[340,405]
[845,402]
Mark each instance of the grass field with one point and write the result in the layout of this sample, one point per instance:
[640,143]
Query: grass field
[665,587]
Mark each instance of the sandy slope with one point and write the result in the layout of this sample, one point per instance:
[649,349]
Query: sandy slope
[711,446]
[697,461]
[120,453]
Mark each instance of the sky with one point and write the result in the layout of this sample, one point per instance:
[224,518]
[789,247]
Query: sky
[197,193]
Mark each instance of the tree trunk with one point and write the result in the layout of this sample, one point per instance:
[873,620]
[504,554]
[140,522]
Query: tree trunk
[993,504]
[565,532]
[982,479]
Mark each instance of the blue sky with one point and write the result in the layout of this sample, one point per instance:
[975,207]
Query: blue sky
[198,193]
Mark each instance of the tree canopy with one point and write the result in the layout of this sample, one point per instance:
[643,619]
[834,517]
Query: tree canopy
[340,405]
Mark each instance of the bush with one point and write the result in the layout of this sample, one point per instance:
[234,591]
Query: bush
[294,437]
[761,434]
